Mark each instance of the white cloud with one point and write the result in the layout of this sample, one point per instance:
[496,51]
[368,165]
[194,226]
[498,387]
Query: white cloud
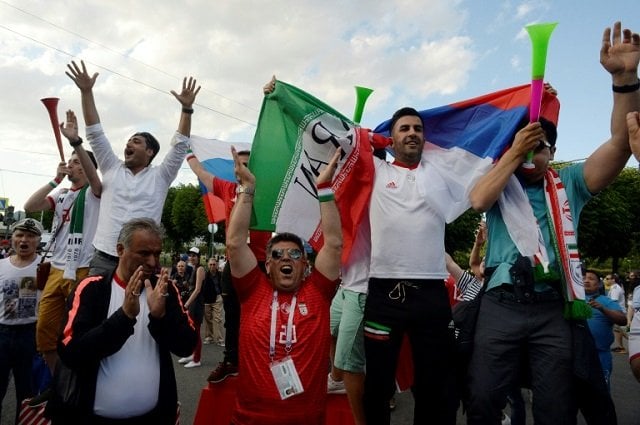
[405,50]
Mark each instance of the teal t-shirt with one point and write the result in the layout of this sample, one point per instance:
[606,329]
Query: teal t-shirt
[502,252]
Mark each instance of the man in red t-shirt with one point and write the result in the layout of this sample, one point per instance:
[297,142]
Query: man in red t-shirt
[226,191]
[285,313]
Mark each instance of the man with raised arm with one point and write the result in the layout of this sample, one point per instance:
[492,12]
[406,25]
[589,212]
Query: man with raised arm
[535,283]
[76,216]
[131,188]
[284,325]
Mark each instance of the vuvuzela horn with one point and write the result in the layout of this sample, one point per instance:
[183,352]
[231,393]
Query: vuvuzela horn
[51,103]
[362,94]
[539,35]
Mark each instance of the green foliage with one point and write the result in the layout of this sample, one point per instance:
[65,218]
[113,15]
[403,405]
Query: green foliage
[45,217]
[183,216]
[460,235]
[610,222]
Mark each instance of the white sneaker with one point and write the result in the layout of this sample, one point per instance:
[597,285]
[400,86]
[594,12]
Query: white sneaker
[192,364]
[335,387]
[184,360]
[506,420]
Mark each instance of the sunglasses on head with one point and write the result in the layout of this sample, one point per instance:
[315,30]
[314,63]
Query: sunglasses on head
[294,253]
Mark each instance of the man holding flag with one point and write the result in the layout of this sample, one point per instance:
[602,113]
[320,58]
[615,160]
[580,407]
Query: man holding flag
[534,281]
[285,313]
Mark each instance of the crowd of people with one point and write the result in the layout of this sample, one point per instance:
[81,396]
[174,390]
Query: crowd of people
[294,328]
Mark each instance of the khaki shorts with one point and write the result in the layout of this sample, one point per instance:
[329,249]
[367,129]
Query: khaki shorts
[53,306]
[347,322]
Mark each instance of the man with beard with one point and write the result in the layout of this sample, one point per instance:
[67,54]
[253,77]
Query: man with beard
[284,326]
[132,188]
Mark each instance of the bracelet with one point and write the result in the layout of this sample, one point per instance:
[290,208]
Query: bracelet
[246,190]
[76,143]
[187,110]
[190,157]
[53,184]
[326,194]
[629,88]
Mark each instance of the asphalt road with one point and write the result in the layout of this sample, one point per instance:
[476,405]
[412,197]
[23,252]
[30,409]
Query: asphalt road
[625,390]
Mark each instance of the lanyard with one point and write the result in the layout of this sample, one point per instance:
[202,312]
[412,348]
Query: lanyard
[275,306]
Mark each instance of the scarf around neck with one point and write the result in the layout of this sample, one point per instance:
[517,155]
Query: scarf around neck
[526,234]
[74,240]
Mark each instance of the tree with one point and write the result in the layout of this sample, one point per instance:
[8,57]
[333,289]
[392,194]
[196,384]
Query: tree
[460,235]
[609,224]
[187,214]
[170,243]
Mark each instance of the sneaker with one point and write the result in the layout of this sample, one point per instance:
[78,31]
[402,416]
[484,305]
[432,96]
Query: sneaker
[192,364]
[506,420]
[41,398]
[220,343]
[335,387]
[621,350]
[223,370]
[185,360]
[207,341]
[392,404]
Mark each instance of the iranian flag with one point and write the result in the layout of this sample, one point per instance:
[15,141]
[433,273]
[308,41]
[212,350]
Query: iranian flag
[297,134]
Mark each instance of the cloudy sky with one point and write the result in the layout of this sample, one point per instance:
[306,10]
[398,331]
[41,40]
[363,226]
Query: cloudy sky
[420,53]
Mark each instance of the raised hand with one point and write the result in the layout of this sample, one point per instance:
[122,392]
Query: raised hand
[243,174]
[131,303]
[326,175]
[80,76]
[620,52]
[189,92]
[69,128]
[633,127]
[270,86]
[156,297]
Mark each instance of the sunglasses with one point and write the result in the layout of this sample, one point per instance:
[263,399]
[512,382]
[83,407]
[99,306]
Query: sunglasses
[541,145]
[294,253]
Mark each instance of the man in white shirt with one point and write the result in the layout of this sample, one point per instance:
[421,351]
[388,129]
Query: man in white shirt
[132,188]
[76,216]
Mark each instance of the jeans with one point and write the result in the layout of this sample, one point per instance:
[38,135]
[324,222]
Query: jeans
[505,331]
[17,349]
[421,310]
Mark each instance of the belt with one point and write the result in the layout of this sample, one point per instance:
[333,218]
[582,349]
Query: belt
[505,292]
[107,256]
[399,290]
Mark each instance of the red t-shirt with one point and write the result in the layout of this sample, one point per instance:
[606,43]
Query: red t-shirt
[258,400]
[226,191]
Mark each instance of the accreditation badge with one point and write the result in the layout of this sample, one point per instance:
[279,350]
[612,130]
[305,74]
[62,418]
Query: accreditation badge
[286,377]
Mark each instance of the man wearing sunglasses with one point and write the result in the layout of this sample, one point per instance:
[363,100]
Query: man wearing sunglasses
[284,326]
[536,281]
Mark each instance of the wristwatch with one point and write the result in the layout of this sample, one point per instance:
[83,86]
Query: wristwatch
[247,190]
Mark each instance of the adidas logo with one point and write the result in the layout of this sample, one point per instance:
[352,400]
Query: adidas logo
[391,185]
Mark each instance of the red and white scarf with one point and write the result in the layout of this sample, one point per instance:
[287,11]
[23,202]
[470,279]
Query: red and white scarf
[527,236]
